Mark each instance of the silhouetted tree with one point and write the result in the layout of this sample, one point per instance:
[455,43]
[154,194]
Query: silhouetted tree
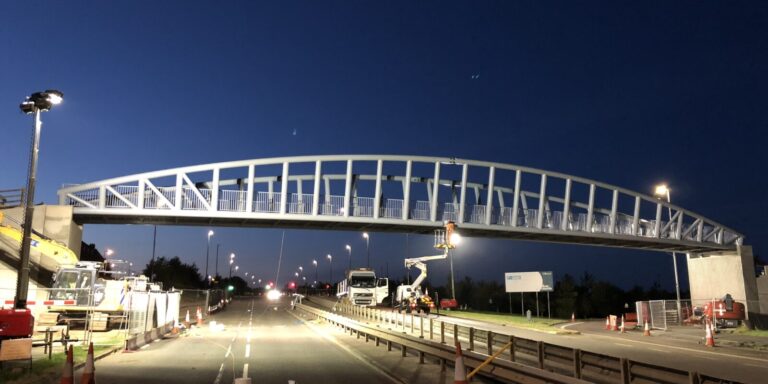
[174,273]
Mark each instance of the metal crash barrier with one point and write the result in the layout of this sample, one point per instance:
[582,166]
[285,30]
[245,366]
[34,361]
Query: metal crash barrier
[523,360]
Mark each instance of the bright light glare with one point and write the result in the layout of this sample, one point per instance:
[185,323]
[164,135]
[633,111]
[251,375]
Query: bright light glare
[54,99]
[273,294]
[661,190]
[365,235]
[210,233]
[348,247]
[455,238]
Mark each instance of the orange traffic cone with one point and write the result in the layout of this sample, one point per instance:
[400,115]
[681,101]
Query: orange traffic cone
[622,325]
[710,342]
[89,372]
[186,319]
[199,317]
[646,331]
[67,376]
[608,323]
[573,317]
[460,373]
[614,323]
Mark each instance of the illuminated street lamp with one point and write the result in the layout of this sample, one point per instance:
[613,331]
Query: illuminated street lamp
[367,248]
[208,250]
[109,252]
[35,104]
[314,262]
[662,192]
[349,249]
[330,261]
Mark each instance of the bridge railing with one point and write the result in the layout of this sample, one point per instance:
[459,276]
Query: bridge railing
[482,195]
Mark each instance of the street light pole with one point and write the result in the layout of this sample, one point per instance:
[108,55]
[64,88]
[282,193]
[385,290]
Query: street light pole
[367,248]
[330,270]
[35,104]
[663,191]
[314,262]
[207,251]
[217,259]
[349,249]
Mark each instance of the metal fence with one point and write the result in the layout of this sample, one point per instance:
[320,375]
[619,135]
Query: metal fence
[661,314]
[516,356]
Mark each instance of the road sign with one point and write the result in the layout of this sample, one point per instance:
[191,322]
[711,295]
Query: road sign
[529,281]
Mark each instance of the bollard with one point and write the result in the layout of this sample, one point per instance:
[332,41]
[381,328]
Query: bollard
[411,321]
[389,346]
[403,322]
[471,339]
[489,342]
[402,350]
[421,327]
[377,341]
[421,357]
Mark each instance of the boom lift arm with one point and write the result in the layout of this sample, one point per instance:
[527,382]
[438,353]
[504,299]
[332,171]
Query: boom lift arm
[418,262]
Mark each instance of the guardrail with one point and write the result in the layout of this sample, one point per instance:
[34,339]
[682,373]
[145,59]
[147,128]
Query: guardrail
[498,369]
[535,356]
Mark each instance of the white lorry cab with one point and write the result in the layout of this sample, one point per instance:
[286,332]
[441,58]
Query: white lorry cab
[361,287]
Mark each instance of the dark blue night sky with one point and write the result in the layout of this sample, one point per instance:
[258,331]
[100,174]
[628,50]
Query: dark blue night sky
[629,93]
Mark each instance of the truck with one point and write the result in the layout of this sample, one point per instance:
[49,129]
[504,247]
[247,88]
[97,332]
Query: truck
[361,287]
[409,297]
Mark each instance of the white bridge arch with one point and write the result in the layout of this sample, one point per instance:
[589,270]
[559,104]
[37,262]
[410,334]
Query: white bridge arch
[399,193]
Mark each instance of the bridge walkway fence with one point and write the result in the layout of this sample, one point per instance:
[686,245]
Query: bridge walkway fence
[401,193]
[480,343]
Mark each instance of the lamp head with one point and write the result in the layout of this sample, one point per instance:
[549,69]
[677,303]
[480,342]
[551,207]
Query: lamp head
[661,190]
[41,101]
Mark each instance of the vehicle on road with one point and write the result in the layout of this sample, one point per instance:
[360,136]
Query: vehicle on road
[361,287]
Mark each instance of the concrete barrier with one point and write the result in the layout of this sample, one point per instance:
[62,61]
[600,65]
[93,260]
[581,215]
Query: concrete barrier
[139,340]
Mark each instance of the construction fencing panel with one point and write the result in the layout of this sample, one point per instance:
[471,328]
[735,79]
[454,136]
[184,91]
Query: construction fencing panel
[661,314]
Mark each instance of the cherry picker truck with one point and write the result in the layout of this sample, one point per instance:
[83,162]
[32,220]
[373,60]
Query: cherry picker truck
[409,297]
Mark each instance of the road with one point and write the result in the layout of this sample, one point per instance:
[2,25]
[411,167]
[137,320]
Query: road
[260,340]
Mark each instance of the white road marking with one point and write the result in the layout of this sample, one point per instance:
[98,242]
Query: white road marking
[699,351]
[245,371]
[221,372]
[229,350]
[349,350]
[247,351]
[624,345]
[658,350]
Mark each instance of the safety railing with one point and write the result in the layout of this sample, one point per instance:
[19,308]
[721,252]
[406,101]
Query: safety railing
[10,198]
[300,204]
[392,209]
[538,204]
[332,205]
[267,202]
[564,361]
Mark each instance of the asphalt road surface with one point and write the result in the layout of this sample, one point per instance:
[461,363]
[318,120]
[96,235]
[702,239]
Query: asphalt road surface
[260,340]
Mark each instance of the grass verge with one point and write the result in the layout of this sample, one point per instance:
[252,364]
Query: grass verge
[43,368]
[507,319]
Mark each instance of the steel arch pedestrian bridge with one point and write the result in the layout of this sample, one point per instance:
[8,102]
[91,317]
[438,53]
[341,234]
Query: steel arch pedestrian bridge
[399,193]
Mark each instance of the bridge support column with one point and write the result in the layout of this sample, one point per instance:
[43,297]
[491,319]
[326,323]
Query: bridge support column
[713,274]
